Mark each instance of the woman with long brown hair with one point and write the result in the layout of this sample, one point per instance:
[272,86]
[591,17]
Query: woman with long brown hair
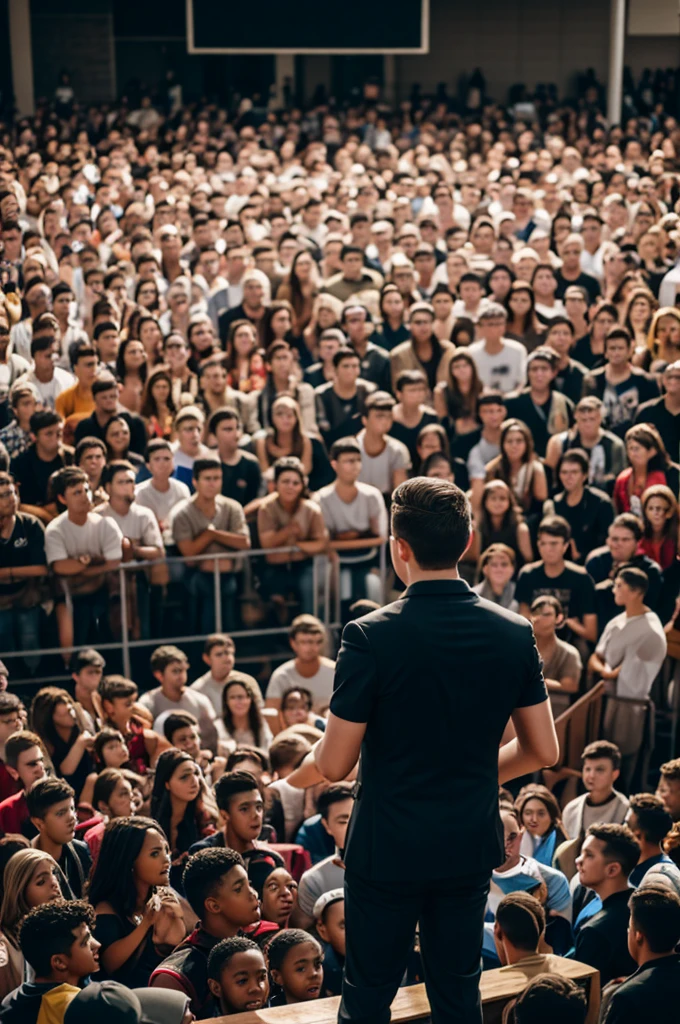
[285,436]
[300,288]
[244,361]
[518,466]
[523,324]
[158,406]
[539,813]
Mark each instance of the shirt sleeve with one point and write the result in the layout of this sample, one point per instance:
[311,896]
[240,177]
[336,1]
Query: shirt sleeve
[151,534]
[523,588]
[356,680]
[112,540]
[55,548]
[181,527]
[265,521]
[237,520]
[378,511]
[585,597]
[475,465]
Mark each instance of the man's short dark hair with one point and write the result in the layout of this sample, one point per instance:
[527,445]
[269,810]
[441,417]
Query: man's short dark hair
[85,444]
[490,397]
[335,793]
[555,526]
[42,419]
[618,333]
[117,466]
[547,599]
[230,785]
[602,748]
[634,577]
[282,943]
[348,250]
[203,465]
[18,744]
[522,918]
[47,930]
[222,953]
[9,703]
[656,913]
[576,456]
[113,687]
[104,383]
[620,845]
[628,521]
[158,444]
[344,353]
[64,478]
[222,415]
[245,753]
[88,658]
[46,792]
[344,446]
[433,517]
[653,820]
[380,400]
[549,997]
[204,874]
[177,720]
[42,342]
[103,327]
[407,377]
[82,351]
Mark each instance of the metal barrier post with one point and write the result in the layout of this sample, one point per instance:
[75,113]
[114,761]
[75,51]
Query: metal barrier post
[218,596]
[383,572]
[124,625]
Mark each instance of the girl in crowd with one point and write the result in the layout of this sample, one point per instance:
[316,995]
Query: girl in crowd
[589,350]
[139,919]
[147,295]
[242,722]
[523,323]
[326,313]
[201,339]
[65,732]
[244,361]
[296,708]
[131,370]
[649,464]
[278,323]
[117,441]
[300,288]
[183,806]
[31,878]
[432,438]
[463,333]
[158,406]
[148,331]
[285,437]
[276,889]
[662,344]
[112,797]
[519,468]
[393,330]
[660,522]
[499,281]
[501,522]
[544,282]
[455,400]
[539,814]
[637,317]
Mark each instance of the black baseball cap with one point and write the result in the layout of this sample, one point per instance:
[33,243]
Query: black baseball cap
[109,1002]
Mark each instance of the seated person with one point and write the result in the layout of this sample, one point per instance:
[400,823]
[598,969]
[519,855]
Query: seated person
[602,564]
[341,402]
[51,806]
[601,762]
[309,669]
[57,943]
[588,510]
[329,920]
[385,462]
[411,413]
[295,961]
[118,697]
[237,977]
[277,892]
[218,891]
[33,469]
[562,665]
[654,933]
[650,823]
[241,474]
[539,815]
[289,517]
[497,566]
[25,761]
[169,667]
[608,855]
[241,812]
[335,808]
[551,998]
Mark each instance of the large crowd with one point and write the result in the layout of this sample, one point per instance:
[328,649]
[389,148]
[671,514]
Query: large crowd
[222,334]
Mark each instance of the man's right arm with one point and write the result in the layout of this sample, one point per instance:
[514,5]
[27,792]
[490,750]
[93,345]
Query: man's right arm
[535,744]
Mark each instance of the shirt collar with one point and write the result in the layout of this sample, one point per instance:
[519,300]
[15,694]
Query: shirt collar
[453,587]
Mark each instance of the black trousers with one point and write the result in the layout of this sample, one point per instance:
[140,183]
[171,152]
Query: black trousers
[380,923]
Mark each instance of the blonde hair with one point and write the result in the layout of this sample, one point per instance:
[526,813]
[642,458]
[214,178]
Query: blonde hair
[18,874]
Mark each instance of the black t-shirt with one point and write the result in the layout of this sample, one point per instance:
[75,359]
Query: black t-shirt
[32,474]
[409,435]
[573,588]
[589,520]
[668,424]
[242,481]
[536,417]
[25,546]
[89,427]
[587,281]
[570,380]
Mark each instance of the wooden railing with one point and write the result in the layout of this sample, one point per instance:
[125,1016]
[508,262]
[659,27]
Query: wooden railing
[575,728]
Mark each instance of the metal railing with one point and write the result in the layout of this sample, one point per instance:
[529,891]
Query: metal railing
[325,589]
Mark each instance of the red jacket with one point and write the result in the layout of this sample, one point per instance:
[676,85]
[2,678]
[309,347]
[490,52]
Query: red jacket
[14,813]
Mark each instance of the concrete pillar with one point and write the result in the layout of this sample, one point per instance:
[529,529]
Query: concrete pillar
[22,55]
[617,39]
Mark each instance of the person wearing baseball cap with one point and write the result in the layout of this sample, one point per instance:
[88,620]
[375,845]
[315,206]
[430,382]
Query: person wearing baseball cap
[109,1002]
[329,919]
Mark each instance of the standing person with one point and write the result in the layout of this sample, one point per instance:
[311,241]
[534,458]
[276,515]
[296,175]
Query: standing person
[380,656]
[501,362]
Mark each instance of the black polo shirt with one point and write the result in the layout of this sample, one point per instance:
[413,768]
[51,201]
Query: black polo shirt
[436,676]
[668,424]
[603,940]
[573,588]
[651,994]
[242,481]
[589,520]
[89,427]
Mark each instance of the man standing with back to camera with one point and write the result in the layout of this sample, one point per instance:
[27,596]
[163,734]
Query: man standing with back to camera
[473,666]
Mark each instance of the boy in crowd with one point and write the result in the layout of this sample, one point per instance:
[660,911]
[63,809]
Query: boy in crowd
[603,563]
[10,723]
[77,400]
[25,760]
[341,403]
[241,475]
[57,941]
[621,386]
[501,362]
[323,372]
[668,788]
[551,998]
[162,491]
[608,855]
[237,976]
[601,803]
[356,518]
[385,462]
[87,669]
[118,697]
[374,361]
[309,669]
[588,510]
[651,993]
[411,413]
[569,583]
[218,891]
[52,810]
[562,665]
[606,452]
[188,428]
[492,411]
[517,933]
[181,730]
[544,409]
[34,467]
[650,822]
[169,667]
[241,810]
[329,919]
[335,807]
[296,966]
[219,654]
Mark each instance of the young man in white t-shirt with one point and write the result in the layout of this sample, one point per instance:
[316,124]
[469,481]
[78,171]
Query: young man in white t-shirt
[309,669]
[81,548]
[385,462]
[163,491]
[501,362]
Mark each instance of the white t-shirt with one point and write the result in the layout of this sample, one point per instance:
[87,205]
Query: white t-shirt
[98,536]
[286,676]
[506,370]
[161,503]
[139,525]
[48,392]
[377,470]
[321,878]
[210,688]
[340,515]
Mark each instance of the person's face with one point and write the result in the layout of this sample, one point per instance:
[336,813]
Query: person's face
[327,349]
[115,753]
[497,501]
[175,675]
[657,513]
[571,255]
[617,352]
[492,415]
[253,293]
[540,374]
[535,816]
[332,928]
[498,570]
[412,395]
[514,445]
[239,701]
[119,711]
[622,593]
[184,784]
[214,379]
[122,487]
[493,328]
[301,972]
[244,983]
[295,709]
[442,305]
[638,455]
[161,465]
[337,821]
[160,391]
[64,715]
[471,294]
[560,338]
[9,500]
[202,337]
[551,549]
[621,544]
[118,436]
[177,354]
[49,438]
[309,646]
[9,724]
[671,382]
[86,369]
[355,324]
[282,364]
[246,811]
[221,660]
[120,801]
[421,327]
[152,866]
[281,322]
[135,355]
[520,303]
[188,740]
[289,487]
[62,305]
[83,956]
[44,884]
[30,767]
[189,436]
[106,401]
[284,418]
[668,791]
[588,421]
[599,774]
[591,863]
[379,421]
[59,823]
[347,372]
[147,295]
[512,839]
[544,621]
[571,476]
[279,896]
